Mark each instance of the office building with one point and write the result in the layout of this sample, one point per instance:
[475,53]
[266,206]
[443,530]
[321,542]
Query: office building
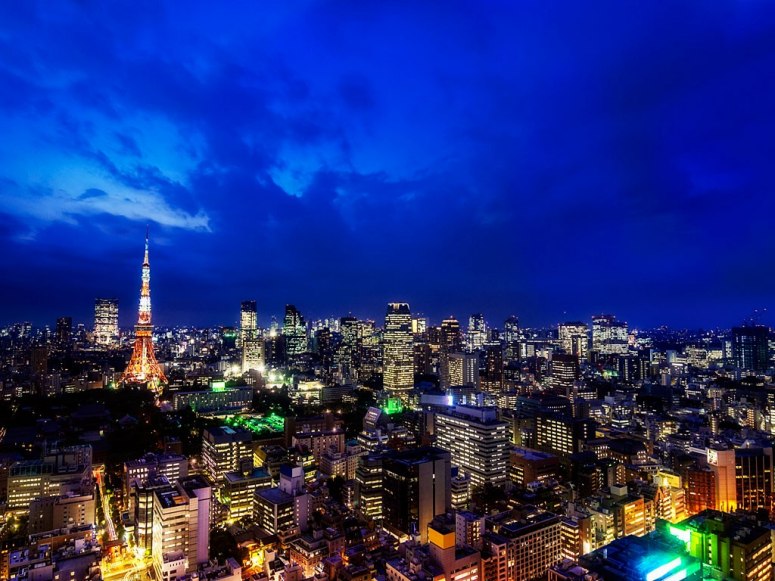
[452,368]
[216,399]
[222,449]
[750,348]
[477,332]
[562,435]
[239,488]
[106,322]
[729,547]
[284,509]
[150,467]
[477,440]
[609,336]
[573,338]
[64,331]
[181,527]
[368,487]
[72,509]
[451,336]
[397,351]
[535,540]
[248,322]
[294,333]
[511,339]
[253,357]
[55,474]
[143,493]
[565,373]
[416,488]
[526,466]
[492,373]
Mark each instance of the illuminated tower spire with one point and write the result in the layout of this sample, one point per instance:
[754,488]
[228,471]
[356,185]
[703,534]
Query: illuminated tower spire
[143,367]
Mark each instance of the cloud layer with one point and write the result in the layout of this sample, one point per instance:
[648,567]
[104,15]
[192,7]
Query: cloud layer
[545,160]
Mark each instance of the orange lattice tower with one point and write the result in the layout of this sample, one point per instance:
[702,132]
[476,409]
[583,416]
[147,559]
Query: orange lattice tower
[143,367]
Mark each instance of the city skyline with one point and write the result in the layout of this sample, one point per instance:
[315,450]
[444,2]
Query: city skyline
[549,160]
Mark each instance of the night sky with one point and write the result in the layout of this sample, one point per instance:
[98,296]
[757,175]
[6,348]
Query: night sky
[545,159]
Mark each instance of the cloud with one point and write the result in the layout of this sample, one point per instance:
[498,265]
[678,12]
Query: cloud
[514,157]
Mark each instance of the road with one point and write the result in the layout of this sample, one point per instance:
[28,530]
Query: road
[109,527]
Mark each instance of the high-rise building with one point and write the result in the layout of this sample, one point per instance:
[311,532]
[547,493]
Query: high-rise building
[368,487]
[143,367]
[477,440]
[222,450]
[253,354]
[106,322]
[151,466]
[181,530]
[477,332]
[563,435]
[398,351]
[451,336]
[750,347]
[492,374]
[64,331]
[416,488]
[511,338]
[451,369]
[247,322]
[574,338]
[609,336]
[565,373]
[294,332]
[419,325]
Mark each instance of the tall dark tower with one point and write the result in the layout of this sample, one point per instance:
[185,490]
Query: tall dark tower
[143,367]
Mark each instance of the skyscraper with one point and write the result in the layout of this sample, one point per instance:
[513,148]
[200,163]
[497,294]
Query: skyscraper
[143,367]
[252,345]
[565,372]
[451,337]
[294,332]
[477,332]
[609,336]
[573,338]
[398,351]
[253,354]
[247,321]
[64,331]
[750,347]
[511,336]
[106,322]
[492,377]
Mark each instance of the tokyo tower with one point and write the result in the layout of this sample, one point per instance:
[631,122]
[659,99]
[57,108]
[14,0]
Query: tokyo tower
[143,367]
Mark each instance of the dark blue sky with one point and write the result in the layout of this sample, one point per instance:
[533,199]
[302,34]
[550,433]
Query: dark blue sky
[545,159]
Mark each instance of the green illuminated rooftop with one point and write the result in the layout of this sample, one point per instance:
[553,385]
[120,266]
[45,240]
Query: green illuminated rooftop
[393,406]
[271,424]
